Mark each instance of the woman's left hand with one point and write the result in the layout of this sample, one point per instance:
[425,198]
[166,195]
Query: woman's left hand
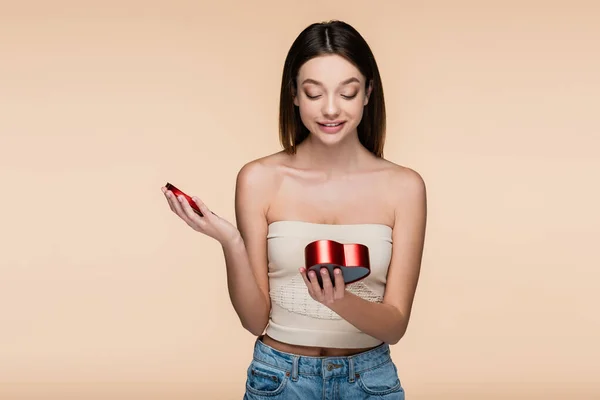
[329,294]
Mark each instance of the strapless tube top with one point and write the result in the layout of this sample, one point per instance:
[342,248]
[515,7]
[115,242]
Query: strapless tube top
[298,319]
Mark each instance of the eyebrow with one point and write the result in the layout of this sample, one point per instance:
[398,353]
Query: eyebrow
[314,82]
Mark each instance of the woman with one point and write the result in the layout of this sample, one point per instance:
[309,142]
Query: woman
[329,182]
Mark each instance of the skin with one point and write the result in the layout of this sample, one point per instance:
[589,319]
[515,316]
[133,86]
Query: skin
[319,184]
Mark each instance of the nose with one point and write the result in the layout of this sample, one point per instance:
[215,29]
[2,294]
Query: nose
[331,107]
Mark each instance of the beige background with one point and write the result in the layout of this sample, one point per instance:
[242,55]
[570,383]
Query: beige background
[104,294]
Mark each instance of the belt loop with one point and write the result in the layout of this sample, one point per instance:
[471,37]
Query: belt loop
[295,369]
[351,375]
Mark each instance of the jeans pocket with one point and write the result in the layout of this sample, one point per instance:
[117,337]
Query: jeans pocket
[265,380]
[381,380]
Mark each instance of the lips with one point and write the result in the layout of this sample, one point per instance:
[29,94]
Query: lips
[331,127]
[332,123]
[352,259]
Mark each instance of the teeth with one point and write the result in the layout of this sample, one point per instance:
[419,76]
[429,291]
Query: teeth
[332,124]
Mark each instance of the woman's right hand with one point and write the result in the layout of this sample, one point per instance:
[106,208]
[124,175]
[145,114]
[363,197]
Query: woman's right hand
[210,224]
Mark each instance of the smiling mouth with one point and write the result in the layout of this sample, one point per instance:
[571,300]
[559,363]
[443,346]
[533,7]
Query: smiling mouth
[332,125]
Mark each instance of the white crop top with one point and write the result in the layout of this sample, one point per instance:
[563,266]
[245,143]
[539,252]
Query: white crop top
[298,319]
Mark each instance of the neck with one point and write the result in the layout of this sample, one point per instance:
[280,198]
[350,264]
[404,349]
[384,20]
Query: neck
[334,160]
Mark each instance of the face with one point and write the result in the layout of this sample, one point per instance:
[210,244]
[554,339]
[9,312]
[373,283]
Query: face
[331,97]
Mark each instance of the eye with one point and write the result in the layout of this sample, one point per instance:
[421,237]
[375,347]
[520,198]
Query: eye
[350,97]
[313,97]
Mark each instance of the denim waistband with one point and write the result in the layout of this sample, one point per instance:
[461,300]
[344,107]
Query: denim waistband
[322,366]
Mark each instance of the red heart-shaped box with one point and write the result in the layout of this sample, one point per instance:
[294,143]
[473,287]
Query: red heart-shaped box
[352,259]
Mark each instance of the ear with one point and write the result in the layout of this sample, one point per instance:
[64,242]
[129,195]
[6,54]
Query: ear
[295,96]
[368,92]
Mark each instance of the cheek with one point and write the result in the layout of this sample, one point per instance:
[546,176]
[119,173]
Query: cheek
[309,111]
[355,110]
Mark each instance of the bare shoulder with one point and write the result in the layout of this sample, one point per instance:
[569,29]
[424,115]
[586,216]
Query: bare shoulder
[257,179]
[260,171]
[410,181]
[406,184]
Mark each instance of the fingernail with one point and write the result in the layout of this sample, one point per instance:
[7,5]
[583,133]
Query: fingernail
[337,271]
[323,271]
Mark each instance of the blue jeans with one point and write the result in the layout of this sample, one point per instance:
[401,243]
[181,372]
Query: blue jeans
[275,375]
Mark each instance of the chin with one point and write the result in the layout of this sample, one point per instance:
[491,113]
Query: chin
[330,138]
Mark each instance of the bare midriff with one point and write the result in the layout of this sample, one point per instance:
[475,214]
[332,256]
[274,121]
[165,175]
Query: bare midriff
[310,351]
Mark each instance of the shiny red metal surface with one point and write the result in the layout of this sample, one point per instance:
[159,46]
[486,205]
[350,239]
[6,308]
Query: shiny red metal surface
[178,192]
[357,255]
[352,258]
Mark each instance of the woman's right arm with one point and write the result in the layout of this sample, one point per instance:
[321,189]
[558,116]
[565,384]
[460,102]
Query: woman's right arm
[246,254]
[244,247]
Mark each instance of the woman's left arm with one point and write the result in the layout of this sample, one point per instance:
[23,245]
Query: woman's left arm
[386,321]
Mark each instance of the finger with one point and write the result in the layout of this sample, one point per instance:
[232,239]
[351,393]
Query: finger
[188,210]
[169,197]
[179,210]
[203,208]
[340,285]
[327,285]
[174,204]
[196,221]
[314,282]
[306,281]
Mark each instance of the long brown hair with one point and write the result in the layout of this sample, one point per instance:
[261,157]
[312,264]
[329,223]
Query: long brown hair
[332,37]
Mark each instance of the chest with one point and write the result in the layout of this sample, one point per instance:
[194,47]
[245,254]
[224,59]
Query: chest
[350,200]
